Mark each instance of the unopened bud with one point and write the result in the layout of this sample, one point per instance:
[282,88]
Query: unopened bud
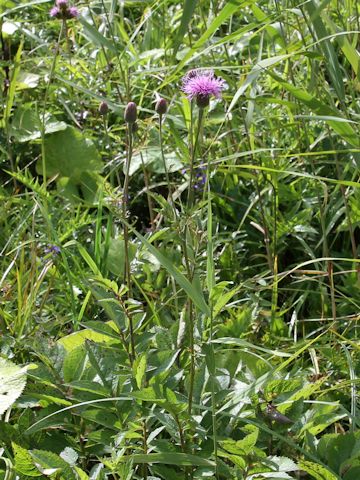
[130,114]
[103,108]
[161,106]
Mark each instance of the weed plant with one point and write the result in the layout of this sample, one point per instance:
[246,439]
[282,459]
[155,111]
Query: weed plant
[179,271]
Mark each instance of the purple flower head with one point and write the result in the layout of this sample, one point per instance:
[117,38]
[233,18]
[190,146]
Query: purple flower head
[54,249]
[201,85]
[61,3]
[55,12]
[200,177]
[63,11]
[72,12]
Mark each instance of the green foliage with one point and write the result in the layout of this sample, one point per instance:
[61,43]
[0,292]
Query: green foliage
[179,298]
[12,383]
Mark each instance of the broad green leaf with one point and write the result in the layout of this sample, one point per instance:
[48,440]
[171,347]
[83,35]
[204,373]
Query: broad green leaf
[316,471]
[336,450]
[74,364]
[241,447]
[105,328]
[115,261]
[76,339]
[89,386]
[27,80]
[12,383]
[110,305]
[81,474]
[102,417]
[81,189]
[48,463]
[69,455]
[151,157]
[24,464]
[70,154]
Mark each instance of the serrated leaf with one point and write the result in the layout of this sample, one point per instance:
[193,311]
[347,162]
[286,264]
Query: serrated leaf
[74,363]
[317,471]
[69,455]
[78,338]
[283,464]
[12,383]
[24,464]
[48,463]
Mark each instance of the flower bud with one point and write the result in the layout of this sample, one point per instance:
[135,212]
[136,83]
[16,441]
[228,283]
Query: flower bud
[202,101]
[130,114]
[161,106]
[103,108]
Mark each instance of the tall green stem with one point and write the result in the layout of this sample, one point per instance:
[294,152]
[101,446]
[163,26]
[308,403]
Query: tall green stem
[163,159]
[190,198]
[42,122]
[127,273]
[210,285]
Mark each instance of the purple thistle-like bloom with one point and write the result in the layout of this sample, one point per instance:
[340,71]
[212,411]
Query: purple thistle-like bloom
[55,12]
[201,85]
[73,12]
[63,11]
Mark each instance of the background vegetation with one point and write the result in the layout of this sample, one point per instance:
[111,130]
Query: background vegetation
[170,332]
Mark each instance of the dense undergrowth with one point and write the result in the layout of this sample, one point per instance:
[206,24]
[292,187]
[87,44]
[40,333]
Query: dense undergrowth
[180,293]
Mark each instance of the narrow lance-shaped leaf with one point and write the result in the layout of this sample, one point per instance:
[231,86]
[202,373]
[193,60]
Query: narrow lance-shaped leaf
[331,61]
[194,293]
[188,11]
